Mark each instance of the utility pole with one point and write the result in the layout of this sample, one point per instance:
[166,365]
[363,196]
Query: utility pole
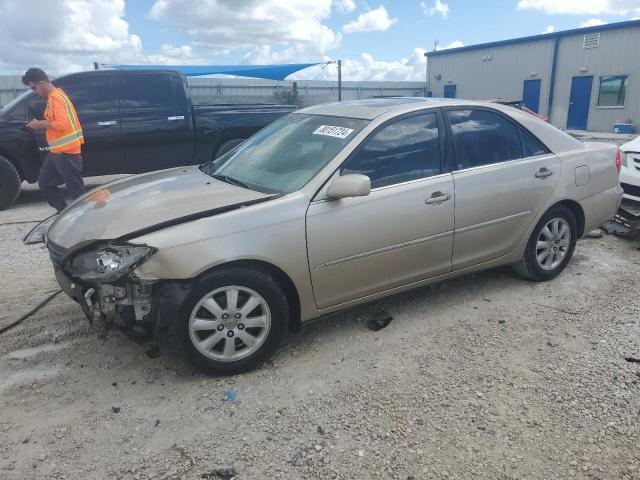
[339,80]
[427,79]
[339,62]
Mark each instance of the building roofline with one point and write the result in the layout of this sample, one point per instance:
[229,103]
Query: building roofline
[535,38]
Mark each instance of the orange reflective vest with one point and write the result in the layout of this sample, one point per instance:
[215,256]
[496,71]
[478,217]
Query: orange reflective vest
[66,134]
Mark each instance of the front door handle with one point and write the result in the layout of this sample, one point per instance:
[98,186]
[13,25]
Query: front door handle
[106,124]
[438,197]
[175,117]
[544,173]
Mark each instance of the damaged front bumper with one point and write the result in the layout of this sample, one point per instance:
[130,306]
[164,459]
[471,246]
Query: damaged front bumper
[140,307]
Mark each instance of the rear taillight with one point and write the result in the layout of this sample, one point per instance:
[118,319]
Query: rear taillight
[618,160]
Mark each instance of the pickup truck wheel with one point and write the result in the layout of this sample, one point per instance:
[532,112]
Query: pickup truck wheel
[550,247]
[228,145]
[9,183]
[233,320]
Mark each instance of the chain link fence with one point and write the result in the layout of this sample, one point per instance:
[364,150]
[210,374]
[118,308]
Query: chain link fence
[235,90]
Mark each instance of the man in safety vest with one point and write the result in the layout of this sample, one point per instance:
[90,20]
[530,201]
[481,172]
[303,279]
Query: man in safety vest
[64,136]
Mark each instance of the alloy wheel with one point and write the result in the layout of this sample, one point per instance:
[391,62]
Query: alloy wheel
[229,323]
[553,243]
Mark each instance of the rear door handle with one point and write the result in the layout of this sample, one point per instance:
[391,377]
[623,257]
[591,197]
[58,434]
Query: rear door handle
[106,124]
[544,173]
[175,117]
[438,197]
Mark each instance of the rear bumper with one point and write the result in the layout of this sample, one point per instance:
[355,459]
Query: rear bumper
[601,207]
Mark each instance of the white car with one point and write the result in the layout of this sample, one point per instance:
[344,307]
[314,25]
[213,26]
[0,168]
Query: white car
[630,171]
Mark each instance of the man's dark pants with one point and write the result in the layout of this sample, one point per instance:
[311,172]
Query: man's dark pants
[59,168]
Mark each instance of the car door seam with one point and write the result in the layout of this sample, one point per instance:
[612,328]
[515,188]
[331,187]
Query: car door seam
[398,246]
[490,223]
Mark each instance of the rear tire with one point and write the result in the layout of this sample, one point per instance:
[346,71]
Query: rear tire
[9,183]
[233,320]
[550,246]
[228,145]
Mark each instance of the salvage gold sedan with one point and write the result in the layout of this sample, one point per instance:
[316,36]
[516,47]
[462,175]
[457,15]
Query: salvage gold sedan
[329,207]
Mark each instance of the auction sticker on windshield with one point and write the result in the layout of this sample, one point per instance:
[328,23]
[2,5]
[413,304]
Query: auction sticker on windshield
[332,131]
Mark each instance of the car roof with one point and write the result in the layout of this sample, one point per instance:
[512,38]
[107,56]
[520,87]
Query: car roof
[374,107]
[556,140]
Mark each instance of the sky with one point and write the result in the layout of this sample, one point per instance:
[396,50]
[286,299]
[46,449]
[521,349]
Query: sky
[376,40]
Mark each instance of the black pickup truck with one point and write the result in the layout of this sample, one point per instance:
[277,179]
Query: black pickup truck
[133,122]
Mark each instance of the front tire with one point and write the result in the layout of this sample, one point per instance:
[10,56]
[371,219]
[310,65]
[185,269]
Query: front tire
[9,183]
[233,320]
[550,246]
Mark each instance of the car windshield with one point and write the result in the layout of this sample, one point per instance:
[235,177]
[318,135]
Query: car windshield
[15,101]
[284,156]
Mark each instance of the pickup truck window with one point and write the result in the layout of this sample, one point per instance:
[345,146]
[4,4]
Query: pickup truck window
[89,95]
[285,155]
[147,91]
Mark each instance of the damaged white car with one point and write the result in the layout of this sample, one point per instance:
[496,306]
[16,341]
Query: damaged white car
[630,172]
[330,207]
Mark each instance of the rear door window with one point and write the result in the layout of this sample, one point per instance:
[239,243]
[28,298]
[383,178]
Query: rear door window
[408,149]
[481,137]
[90,94]
[531,147]
[143,91]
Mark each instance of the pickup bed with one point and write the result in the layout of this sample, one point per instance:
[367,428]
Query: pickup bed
[133,122]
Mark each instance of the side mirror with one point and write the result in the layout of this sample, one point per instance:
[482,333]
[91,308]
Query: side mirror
[352,185]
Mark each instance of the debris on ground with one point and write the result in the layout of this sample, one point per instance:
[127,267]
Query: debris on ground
[229,396]
[626,223]
[295,458]
[380,320]
[220,473]
[632,360]
[597,233]
[115,409]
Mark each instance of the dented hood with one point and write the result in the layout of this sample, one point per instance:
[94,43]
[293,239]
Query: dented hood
[146,201]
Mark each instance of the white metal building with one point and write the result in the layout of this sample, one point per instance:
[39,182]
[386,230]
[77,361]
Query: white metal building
[583,79]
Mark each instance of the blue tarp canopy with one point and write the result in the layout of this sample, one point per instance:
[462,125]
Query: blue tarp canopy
[271,72]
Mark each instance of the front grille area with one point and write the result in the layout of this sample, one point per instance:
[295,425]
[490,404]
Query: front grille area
[630,189]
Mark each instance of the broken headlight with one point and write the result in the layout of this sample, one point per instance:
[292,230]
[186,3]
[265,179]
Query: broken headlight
[38,234]
[108,263]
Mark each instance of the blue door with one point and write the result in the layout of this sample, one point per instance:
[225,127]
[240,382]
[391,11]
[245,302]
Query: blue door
[449,91]
[579,103]
[531,95]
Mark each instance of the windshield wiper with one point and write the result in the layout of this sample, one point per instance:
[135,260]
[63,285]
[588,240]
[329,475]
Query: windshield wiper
[231,180]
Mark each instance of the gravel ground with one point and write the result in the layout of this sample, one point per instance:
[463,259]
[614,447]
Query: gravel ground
[487,376]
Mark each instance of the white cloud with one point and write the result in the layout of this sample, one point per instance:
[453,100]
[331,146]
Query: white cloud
[549,29]
[582,7]
[64,35]
[366,67]
[345,6]
[593,22]
[170,55]
[454,44]
[373,20]
[439,7]
[229,24]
